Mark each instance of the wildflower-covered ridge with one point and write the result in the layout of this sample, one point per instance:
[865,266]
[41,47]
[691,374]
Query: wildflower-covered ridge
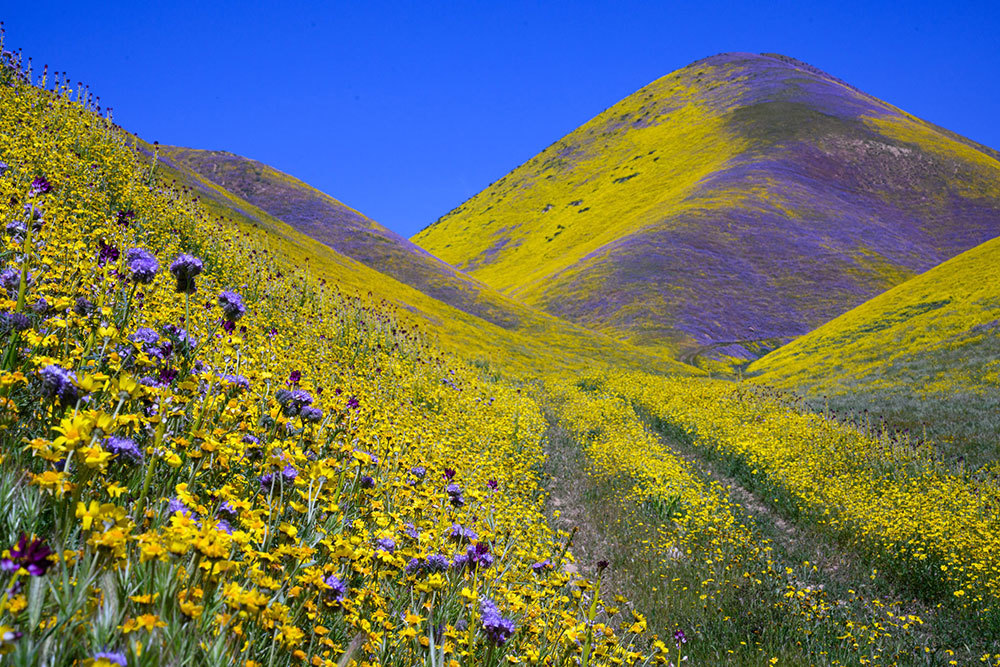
[212,457]
[464,315]
[922,356]
[347,231]
[659,220]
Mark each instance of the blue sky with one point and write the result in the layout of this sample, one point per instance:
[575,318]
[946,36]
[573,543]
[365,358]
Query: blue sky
[404,110]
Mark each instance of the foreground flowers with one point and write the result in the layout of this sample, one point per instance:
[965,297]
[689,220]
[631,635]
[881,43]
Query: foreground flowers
[186,503]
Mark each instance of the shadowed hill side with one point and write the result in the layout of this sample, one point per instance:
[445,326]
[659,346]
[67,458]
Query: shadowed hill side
[734,204]
[347,231]
[540,342]
[924,355]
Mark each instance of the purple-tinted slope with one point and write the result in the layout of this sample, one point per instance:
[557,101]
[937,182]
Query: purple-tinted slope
[347,231]
[819,197]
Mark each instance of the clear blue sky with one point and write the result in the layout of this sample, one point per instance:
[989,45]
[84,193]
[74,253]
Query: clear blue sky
[404,110]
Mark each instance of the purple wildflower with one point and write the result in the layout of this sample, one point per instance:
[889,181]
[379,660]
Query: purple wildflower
[83,307]
[436,563]
[14,322]
[125,217]
[181,337]
[105,658]
[449,473]
[338,589]
[10,636]
[478,555]
[10,279]
[455,495]
[496,627]
[124,448]
[40,186]
[292,402]
[386,544]
[411,531]
[177,505]
[237,381]
[142,265]
[185,268]
[541,566]
[266,482]
[232,306]
[32,555]
[227,509]
[289,473]
[680,638]
[418,471]
[311,414]
[59,383]
[106,252]
[367,482]
[294,377]
[145,336]
[460,533]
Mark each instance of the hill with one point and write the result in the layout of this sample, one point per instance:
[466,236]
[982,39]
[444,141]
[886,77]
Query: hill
[359,256]
[732,205]
[922,356]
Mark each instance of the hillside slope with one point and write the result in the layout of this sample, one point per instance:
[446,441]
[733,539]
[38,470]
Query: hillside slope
[320,216]
[494,329]
[923,355]
[740,201]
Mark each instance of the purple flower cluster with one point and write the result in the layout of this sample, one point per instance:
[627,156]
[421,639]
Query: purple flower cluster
[10,279]
[496,627]
[460,533]
[59,383]
[293,401]
[142,265]
[176,505]
[10,322]
[433,563]
[40,186]
[338,589]
[111,658]
[386,544]
[455,495]
[124,448]
[476,556]
[180,336]
[185,269]
[106,253]
[311,414]
[232,306]
[541,566]
[32,555]
[238,381]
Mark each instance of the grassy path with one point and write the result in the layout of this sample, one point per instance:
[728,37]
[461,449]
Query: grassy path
[755,611]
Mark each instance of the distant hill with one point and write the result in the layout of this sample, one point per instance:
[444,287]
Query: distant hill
[924,356]
[347,231]
[726,208]
[359,256]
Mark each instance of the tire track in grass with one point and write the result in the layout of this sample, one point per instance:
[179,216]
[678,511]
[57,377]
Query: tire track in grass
[742,600]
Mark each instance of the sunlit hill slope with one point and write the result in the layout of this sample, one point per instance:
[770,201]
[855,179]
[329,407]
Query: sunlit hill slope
[736,203]
[922,355]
